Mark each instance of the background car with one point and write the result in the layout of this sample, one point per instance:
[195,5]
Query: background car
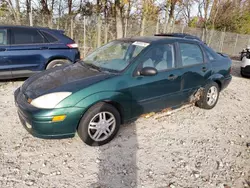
[244,52]
[27,50]
[245,62]
[117,83]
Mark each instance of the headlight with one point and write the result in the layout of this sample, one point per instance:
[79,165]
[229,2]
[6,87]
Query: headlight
[50,100]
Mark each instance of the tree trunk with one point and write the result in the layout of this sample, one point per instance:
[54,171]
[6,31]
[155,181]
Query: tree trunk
[28,6]
[165,21]
[69,7]
[99,24]
[99,30]
[171,13]
[51,13]
[46,12]
[119,19]
[157,26]
[18,20]
[106,21]
[59,12]
[143,26]
[106,33]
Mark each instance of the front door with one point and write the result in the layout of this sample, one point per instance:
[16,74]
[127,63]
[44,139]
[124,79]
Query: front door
[153,93]
[5,66]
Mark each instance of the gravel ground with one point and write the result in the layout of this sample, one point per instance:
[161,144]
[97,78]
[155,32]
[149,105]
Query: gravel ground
[190,147]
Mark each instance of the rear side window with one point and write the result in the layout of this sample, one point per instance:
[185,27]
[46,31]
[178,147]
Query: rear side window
[26,36]
[3,36]
[49,37]
[191,54]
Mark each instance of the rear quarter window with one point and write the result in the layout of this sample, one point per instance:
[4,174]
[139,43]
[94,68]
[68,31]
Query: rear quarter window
[209,52]
[210,56]
[49,37]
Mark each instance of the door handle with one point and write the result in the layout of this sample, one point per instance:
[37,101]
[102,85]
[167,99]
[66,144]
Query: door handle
[172,77]
[204,69]
[44,48]
[2,49]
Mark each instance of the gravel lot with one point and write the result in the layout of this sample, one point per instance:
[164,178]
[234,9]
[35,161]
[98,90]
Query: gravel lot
[190,147]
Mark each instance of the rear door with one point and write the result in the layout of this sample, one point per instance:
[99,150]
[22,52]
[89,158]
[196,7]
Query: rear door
[5,66]
[27,51]
[194,68]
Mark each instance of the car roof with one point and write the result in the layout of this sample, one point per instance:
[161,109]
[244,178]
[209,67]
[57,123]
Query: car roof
[162,38]
[22,26]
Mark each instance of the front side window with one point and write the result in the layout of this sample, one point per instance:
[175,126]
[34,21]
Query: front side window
[26,36]
[160,57]
[115,56]
[191,54]
[3,36]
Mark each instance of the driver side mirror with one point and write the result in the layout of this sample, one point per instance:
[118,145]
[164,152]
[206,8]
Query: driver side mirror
[148,71]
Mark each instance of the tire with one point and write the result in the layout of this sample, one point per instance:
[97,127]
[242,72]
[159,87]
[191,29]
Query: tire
[88,133]
[243,75]
[57,62]
[207,102]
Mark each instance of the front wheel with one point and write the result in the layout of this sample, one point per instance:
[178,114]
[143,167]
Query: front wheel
[99,124]
[209,96]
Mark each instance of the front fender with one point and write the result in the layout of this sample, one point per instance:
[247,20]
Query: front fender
[125,101]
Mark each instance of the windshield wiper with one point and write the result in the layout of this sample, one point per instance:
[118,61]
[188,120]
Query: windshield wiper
[89,65]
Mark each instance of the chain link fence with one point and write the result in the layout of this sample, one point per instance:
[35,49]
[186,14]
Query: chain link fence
[91,32]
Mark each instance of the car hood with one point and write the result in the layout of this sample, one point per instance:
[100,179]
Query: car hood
[66,78]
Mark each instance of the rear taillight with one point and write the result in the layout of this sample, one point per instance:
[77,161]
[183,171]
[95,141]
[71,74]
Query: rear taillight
[74,45]
[230,70]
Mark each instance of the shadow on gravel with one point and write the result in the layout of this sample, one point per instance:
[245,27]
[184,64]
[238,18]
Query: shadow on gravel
[2,82]
[117,160]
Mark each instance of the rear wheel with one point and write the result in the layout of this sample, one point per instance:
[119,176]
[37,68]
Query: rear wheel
[209,96]
[57,63]
[99,124]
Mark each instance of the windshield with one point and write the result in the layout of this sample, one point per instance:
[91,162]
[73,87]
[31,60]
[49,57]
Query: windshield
[115,56]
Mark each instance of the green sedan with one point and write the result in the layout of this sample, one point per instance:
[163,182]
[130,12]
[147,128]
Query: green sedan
[117,83]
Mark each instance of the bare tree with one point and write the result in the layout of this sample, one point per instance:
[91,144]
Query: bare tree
[119,19]
[47,9]
[203,9]
[15,10]
[186,10]
[18,11]
[70,3]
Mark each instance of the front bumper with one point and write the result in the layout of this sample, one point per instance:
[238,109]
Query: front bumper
[38,122]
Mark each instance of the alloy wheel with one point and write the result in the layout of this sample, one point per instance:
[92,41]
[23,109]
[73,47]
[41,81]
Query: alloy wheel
[212,95]
[101,126]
